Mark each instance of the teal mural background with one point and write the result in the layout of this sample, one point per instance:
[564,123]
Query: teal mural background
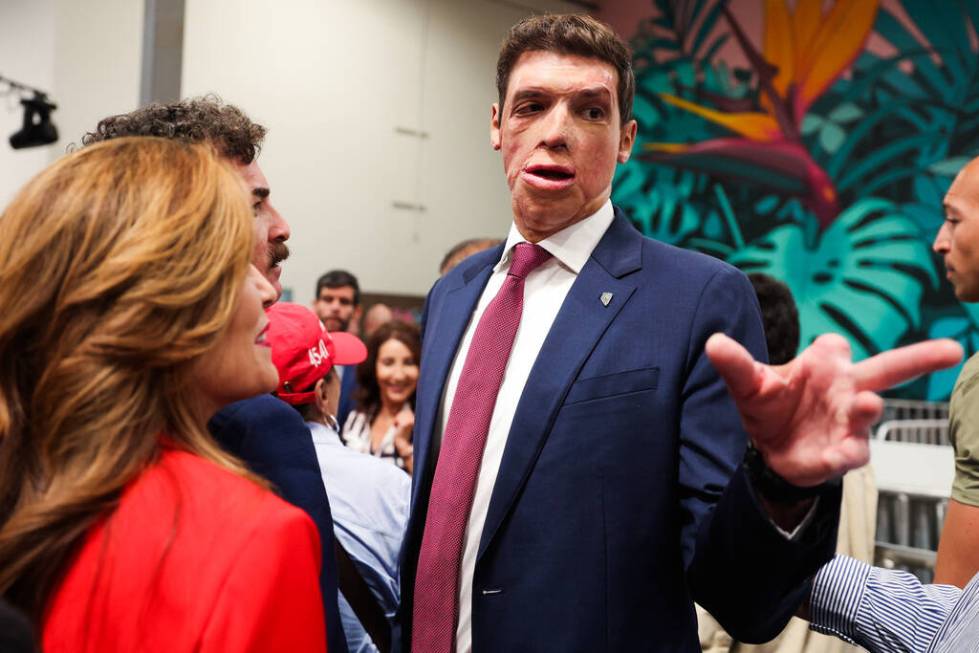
[813,157]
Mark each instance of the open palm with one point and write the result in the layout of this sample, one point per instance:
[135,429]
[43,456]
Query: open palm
[810,419]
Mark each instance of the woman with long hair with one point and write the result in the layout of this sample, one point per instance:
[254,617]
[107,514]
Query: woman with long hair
[129,313]
[384,418]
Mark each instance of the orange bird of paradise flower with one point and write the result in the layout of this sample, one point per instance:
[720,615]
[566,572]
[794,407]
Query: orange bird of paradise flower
[804,52]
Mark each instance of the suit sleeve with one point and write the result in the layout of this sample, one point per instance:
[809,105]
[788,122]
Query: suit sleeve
[739,567]
[271,600]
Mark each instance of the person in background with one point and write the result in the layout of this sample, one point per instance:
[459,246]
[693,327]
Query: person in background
[779,317]
[463,250]
[384,417]
[375,316]
[369,497]
[130,314]
[957,242]
[267,436]
[337,304]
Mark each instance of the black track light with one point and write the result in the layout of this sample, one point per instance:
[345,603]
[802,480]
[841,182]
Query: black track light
[38,128]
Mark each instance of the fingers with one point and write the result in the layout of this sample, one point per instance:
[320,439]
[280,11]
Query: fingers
[864,413]
[851,453]
[735,365]
[905,363]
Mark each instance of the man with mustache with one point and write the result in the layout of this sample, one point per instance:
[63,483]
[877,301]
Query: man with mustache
[265,433]
[580,470]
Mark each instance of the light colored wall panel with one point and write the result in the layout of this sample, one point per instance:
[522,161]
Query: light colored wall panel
[27,56]
[333,81]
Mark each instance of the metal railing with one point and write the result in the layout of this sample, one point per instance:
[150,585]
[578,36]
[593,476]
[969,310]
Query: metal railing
[919,431]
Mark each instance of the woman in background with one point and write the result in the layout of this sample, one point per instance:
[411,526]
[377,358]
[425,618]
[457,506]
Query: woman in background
[129,313]
[382,423]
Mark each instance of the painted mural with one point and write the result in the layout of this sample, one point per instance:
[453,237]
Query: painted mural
[814,145]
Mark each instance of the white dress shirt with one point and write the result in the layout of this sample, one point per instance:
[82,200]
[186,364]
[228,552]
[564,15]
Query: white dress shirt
[544,291]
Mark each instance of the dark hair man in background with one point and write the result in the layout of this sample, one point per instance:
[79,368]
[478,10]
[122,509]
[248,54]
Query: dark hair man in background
[265,433]
[582,500]
[337,304]
[779,317]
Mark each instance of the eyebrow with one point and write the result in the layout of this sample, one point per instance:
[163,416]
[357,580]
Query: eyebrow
[596,92]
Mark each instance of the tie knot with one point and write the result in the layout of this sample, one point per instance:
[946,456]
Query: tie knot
[526,257]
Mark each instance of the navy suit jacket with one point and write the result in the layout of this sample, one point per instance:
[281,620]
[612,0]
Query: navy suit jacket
[272,439]
[348,386]
[620,499]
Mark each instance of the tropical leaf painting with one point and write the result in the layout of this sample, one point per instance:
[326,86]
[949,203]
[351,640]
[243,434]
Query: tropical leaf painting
[816,147]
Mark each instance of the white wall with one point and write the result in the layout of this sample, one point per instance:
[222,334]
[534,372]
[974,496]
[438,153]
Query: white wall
[332,80]
[85,53]
[26,55]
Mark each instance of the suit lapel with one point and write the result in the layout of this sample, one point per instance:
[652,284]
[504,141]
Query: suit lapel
[579,325]
[444,332]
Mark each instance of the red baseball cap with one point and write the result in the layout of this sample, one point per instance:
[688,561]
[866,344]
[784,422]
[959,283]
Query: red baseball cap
[303,352]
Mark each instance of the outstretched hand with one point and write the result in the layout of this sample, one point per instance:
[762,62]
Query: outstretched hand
[810,419]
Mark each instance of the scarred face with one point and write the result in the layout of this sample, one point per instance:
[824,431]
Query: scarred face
[958,239]
[561,136]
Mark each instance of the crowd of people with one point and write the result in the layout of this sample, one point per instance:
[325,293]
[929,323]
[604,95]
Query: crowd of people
[581,438]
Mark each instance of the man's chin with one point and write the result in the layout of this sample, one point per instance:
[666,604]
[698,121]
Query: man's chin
[272,276]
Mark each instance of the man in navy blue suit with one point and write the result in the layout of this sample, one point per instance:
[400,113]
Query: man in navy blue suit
[264,432]
[581,474]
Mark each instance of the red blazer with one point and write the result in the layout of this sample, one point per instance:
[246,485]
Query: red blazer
[194,558]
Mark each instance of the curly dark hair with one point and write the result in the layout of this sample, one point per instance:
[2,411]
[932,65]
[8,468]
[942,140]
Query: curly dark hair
[195,120]
[368,394]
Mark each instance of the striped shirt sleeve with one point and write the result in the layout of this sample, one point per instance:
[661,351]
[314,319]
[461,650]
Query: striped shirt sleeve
[879,609]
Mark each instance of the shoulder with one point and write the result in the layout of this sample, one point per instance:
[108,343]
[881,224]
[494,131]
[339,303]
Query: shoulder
[968,378]
[686,266]
[209,497]
[463,273]
[263,411]
[178,533]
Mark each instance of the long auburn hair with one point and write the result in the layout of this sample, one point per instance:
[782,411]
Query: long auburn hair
[120,265]
[368,393]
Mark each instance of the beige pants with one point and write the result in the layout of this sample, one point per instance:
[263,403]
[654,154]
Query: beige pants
[858,523]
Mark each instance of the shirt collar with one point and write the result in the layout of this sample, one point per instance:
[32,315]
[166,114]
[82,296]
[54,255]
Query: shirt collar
[323,434]
[573,245]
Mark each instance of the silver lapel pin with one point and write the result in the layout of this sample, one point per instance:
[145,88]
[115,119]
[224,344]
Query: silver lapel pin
[606,298]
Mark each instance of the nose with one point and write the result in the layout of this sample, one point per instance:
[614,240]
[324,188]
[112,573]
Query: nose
[941,244]
[556,127]
[279,230]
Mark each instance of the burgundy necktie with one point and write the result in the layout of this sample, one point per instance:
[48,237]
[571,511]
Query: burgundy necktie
[436,612]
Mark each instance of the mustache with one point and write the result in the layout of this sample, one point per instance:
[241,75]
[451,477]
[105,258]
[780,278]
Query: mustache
[278,252]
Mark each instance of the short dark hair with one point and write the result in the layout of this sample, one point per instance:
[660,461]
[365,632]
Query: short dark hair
[779,316]
[338,279]
[572,34]
[368,393]
[196,120]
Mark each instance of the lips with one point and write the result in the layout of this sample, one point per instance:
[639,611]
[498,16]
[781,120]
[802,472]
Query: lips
[260,339]
[546,176]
